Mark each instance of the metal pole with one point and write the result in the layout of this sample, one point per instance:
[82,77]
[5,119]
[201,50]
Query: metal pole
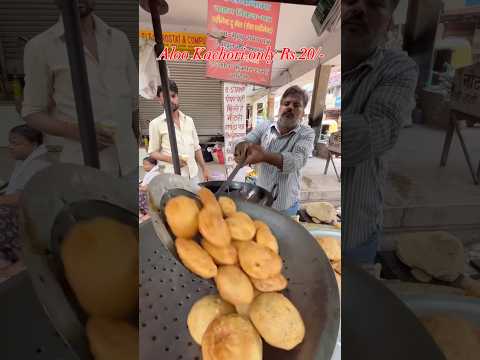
[81,91]
[162,66]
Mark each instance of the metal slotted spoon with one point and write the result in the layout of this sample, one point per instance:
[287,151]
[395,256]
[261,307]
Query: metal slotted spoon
[168,290]
[54,200]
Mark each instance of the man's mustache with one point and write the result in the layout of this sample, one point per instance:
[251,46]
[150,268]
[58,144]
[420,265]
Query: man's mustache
[355,19]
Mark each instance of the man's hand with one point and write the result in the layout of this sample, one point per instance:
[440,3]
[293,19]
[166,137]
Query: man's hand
[255,154]
[205,174]
[240,151]
[104,138]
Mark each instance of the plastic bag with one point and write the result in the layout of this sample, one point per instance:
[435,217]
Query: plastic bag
[148,75]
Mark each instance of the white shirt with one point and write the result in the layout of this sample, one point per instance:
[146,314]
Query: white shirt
[187,142]
[113,81]
[25,169]
[150,175]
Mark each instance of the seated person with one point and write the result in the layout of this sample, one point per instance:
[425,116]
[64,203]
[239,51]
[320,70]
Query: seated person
[26,147]
[151,170]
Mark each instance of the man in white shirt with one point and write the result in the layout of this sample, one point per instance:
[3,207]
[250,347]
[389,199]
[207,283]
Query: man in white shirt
[189,151]
[49,101]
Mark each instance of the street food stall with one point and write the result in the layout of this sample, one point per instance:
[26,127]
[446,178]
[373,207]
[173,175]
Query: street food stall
[83,301]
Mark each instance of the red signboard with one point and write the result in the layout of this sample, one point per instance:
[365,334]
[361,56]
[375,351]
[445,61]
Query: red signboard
[242,35]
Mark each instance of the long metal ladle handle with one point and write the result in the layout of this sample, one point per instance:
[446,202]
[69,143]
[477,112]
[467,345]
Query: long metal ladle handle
[226,184]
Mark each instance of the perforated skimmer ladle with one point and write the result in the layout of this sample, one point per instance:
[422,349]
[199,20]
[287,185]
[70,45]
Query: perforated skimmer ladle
[168,290]
[54,200]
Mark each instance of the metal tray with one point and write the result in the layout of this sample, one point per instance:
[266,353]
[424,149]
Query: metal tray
[465,307]
[168,290]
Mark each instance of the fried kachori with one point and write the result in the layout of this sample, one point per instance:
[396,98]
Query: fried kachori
[242,227]
[228,206]
[203,312]
[274,283]
[277,320]
[112,339]
[239,244]
[266,238]
[182,216]
[209,200]
[258,261]
[231,337]
[100,259]
[196,259]
[214,228]
[243,309]
[260,224]
[234,285]
[225,255]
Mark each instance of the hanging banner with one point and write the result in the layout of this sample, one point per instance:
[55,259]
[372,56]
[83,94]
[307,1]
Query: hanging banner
[183,41]
[245,32]
[234,110]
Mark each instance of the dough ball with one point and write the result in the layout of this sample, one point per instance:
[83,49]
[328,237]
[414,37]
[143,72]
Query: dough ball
[100,259]
[203,312]
[234,285]
[277,320]
[214,228]
[225,255]
[242,227]
[195,258]
[112,339]
[228,206]
[231,337]
[182,216]
[258,261]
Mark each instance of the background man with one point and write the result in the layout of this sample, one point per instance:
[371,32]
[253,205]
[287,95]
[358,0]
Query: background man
[49,101]
[189,151]
[282,150]
[378,88]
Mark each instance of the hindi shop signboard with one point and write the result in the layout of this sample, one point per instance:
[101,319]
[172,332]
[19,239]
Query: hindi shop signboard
[234,110]
[246,31]
[182,41]
[465,95]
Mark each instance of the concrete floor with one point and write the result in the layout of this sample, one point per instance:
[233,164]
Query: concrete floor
[420,195]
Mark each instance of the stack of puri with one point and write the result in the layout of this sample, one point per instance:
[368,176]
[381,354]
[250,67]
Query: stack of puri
[332,249]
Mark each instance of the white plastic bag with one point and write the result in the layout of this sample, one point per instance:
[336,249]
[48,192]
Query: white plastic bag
[148,75]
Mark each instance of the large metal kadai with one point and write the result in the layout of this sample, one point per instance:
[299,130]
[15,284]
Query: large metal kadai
[168,290]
